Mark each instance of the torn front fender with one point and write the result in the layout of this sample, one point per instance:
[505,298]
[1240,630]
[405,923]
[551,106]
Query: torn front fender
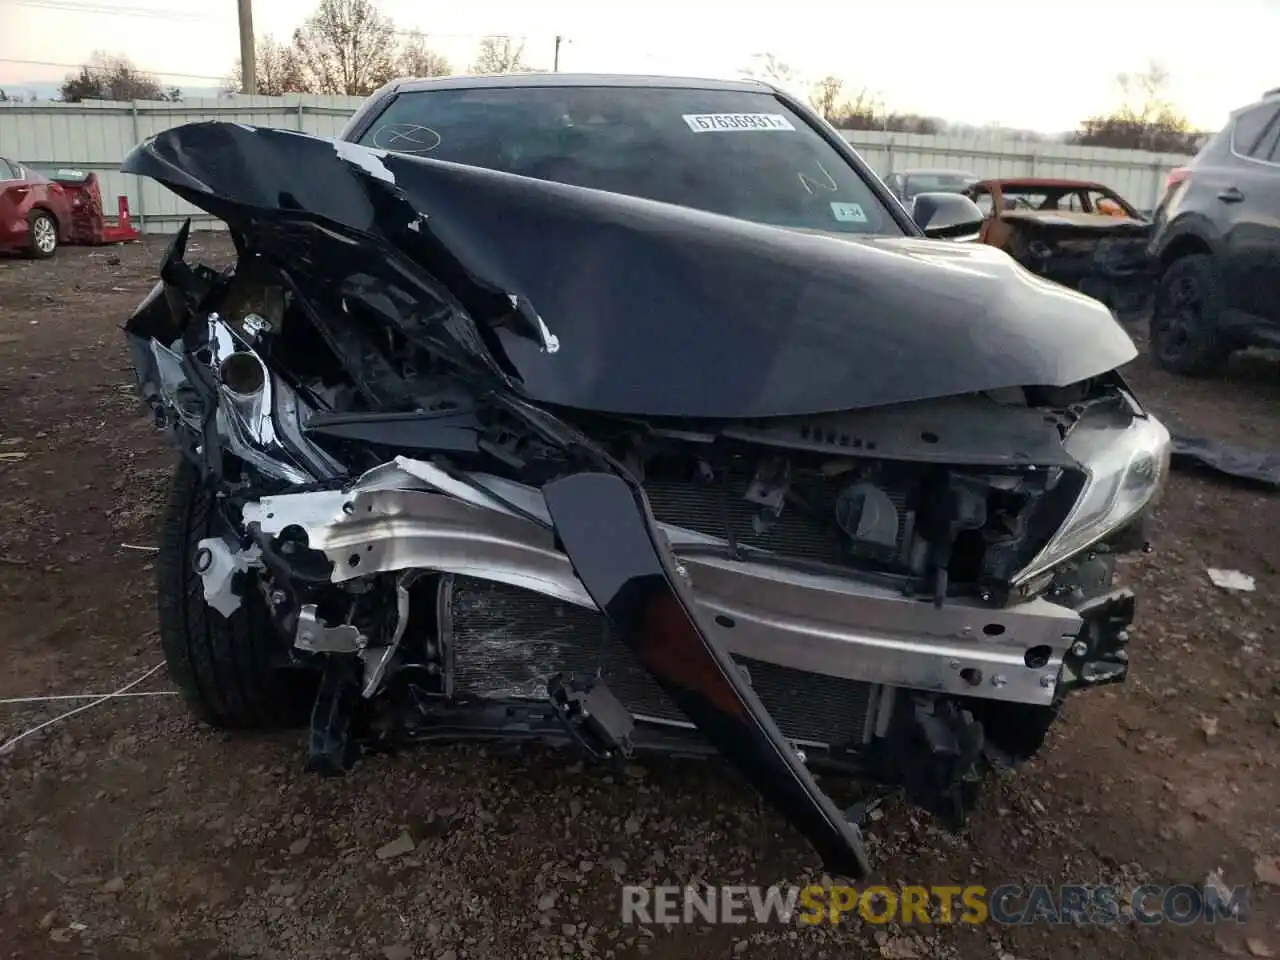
[610,537]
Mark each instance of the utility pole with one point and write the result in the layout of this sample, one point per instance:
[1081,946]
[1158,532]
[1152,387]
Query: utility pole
[248,69]
[555,64]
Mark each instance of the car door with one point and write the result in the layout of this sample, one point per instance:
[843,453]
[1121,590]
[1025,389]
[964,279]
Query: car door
[981,199]
[13,196]
[990,201]
[1248,212]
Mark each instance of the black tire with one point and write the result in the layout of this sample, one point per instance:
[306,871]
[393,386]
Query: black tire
[228,669]
[42,235]
[1184,333]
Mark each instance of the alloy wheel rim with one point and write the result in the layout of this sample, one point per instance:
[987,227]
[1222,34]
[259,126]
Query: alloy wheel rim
[46,238]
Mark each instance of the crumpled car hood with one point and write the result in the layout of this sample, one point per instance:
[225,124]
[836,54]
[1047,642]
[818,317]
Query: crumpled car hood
[661,310]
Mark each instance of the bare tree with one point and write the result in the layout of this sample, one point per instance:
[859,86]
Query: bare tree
[279,71]
[767,67]
[1146,118]
[346,46]
[416,59]
[825,96]
[4,97]
[912,123]
[114,77]
[866,111]
[1144,95]
[499,54]
[863,111]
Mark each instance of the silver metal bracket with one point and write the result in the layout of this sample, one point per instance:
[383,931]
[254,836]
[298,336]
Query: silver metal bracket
[377,659]
[218,563]
[315,636]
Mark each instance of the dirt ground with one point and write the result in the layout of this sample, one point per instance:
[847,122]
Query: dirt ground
[131,831]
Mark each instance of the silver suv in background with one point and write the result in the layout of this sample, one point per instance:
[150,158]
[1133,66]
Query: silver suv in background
[1216,238]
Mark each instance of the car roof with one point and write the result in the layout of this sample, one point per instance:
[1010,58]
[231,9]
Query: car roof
[1045,182]
[411,84]
[916,171]
[1270,97]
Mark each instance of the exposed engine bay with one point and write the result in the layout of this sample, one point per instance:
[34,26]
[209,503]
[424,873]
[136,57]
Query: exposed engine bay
[905,590]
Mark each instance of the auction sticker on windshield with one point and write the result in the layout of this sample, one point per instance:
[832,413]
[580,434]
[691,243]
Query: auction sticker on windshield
[729,122]
[848,212]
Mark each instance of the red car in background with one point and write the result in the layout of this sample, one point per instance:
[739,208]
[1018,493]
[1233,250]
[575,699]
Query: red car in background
[35,212]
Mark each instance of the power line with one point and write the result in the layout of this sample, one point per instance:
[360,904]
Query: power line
[428,34]
[87,6]
[77,66]
[77,6]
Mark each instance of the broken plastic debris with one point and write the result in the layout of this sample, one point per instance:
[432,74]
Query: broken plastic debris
[1232,580]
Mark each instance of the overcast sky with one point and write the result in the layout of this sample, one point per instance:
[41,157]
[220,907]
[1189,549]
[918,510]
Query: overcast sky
[1021,63]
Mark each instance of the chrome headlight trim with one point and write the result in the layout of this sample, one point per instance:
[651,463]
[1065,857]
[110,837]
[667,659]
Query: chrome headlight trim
[1126,468]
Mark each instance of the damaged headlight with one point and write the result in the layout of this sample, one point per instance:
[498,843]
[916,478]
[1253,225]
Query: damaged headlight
[1126,468]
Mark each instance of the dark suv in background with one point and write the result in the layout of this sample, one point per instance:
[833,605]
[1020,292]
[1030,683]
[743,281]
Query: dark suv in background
[1217,240]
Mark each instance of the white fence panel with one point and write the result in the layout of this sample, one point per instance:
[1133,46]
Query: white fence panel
[1137,175]
[97,135]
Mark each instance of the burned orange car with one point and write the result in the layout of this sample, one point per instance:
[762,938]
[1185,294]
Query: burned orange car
[1080,234]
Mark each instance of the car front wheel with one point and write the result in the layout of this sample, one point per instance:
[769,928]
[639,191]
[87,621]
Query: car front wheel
[42,235]
[1184,332]
[228,668]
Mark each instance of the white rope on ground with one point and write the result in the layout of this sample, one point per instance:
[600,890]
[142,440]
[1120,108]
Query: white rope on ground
[89,696]
[9,744]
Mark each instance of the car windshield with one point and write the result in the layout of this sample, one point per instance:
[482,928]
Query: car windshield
[738,153]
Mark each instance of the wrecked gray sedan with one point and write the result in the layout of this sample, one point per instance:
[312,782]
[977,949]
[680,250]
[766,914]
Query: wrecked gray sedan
[541,453]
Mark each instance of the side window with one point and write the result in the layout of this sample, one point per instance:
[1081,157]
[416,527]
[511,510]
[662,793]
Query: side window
[1104,203]
[983,200]
[1269,145]
[1030,200]
[1253,129]
[1069,201]
[6,171]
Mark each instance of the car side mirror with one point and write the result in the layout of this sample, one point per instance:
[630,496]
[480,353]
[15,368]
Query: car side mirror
[946,216]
